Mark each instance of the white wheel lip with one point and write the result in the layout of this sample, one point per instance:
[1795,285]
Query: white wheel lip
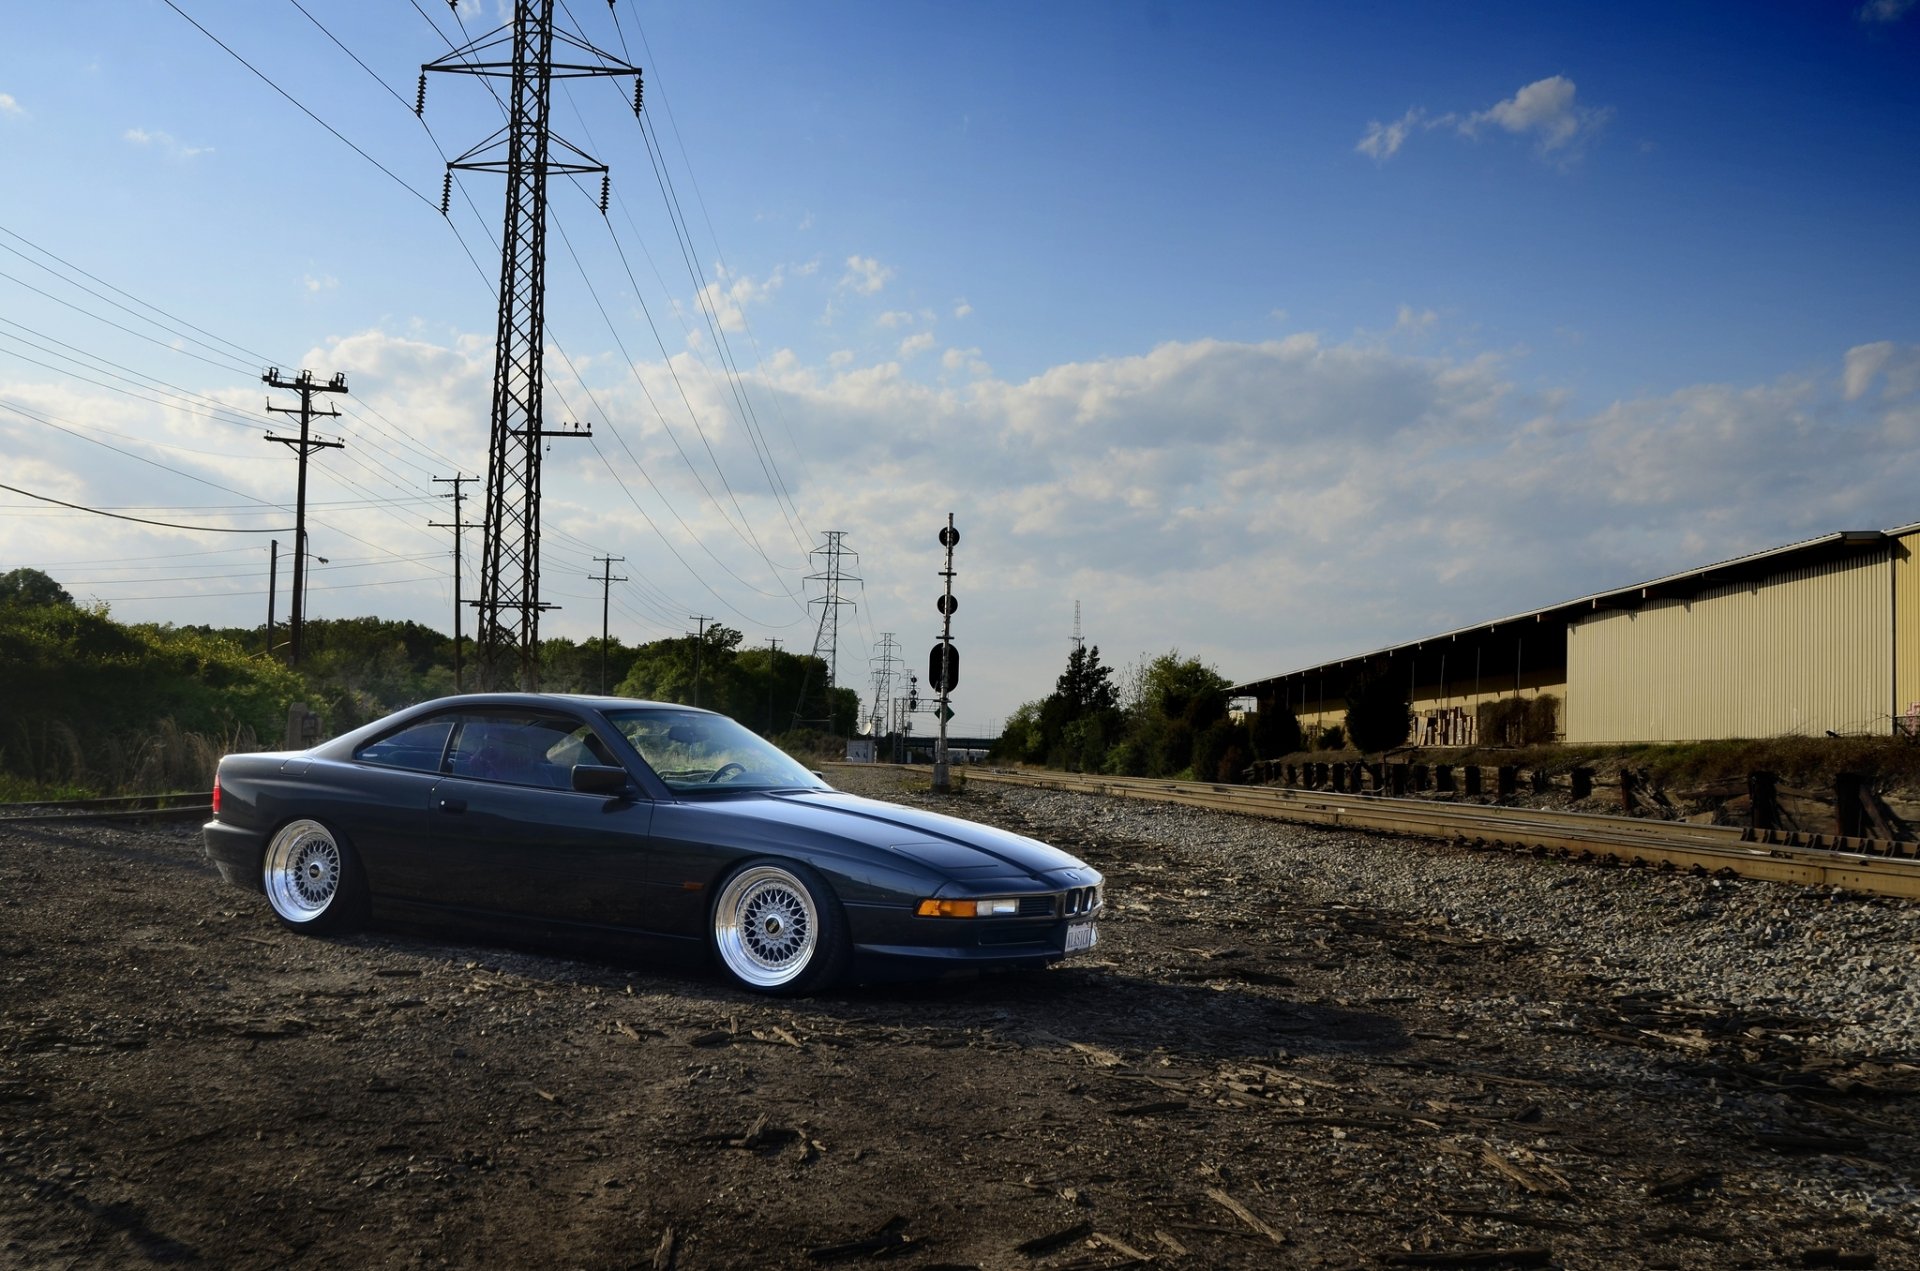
[766,892]
[294,890]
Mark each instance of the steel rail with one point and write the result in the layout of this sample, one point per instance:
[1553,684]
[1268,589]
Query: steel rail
[176,806]
[1821,862]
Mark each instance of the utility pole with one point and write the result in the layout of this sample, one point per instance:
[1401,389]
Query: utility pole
[456,525]
[527,153]
[606,580]
[303,445]
[773,659]
[699,638]
[273,586]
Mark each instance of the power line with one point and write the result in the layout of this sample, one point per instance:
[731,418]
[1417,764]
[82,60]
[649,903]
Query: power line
[81,507]
[265,79]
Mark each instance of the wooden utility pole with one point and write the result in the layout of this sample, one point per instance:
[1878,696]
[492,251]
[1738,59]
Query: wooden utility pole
[456,525]
[606,580]
[303,445]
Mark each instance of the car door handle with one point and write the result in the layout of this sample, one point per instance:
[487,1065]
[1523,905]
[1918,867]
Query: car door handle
[453,805]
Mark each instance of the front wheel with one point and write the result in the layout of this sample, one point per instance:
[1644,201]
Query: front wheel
[777,929]
[311,877]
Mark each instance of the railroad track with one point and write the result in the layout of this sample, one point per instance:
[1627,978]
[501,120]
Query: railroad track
[185,806]
[1881,867]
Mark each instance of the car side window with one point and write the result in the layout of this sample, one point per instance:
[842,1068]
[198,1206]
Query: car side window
[528,750]
[418,747]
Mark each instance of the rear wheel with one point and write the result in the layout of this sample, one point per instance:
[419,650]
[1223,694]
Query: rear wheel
[777,929]
[312,878]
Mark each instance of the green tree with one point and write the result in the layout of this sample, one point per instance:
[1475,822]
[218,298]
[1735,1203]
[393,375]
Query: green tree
[31,587]
[1274,730]
[1379,713]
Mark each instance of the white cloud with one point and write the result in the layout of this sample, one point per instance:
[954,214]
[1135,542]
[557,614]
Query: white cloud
[915,344]
[11,108]
[839,358]
[165,143]
[1383,141]
[1884,10]
[895,318]
[728,295]
[1414,320]
[1545,110]
[315,283]
[961,309]
[865,275]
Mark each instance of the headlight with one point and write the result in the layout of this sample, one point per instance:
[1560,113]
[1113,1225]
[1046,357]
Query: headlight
[998,908]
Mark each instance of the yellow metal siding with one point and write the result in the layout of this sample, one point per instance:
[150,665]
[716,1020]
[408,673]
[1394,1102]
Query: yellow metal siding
[1800,654]
[1906,627]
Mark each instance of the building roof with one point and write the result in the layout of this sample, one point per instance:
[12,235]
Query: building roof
[1684,585]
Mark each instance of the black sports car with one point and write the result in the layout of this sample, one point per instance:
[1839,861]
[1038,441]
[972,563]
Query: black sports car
[535,815]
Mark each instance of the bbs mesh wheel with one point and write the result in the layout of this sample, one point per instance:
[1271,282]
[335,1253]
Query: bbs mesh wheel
[777,929]
[311,878]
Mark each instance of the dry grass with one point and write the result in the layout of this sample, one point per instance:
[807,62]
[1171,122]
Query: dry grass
[54,762]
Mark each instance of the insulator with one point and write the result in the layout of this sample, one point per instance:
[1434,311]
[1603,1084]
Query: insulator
[606,185]
[446,191]
[639,91]
[420,97]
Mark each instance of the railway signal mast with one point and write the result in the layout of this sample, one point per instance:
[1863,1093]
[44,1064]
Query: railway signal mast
[943,664]
[521,53]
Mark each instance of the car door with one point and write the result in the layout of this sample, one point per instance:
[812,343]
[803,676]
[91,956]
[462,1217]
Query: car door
[509,834]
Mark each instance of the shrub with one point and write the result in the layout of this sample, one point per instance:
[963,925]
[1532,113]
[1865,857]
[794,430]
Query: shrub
[1332,737]
[1519,721]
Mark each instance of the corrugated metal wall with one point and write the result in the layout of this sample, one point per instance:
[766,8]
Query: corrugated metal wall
[1906,631]
[1802,653]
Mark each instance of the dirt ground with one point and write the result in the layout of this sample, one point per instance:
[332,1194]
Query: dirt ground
[1238,1078]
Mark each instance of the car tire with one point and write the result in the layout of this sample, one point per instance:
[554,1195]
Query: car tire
[312,878]
[777,928]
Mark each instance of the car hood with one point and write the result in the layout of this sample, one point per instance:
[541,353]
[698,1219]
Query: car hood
[945,843]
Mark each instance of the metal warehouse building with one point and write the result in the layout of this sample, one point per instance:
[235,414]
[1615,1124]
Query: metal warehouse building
[1814,637]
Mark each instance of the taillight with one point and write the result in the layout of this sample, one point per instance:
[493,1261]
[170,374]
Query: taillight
[216,796]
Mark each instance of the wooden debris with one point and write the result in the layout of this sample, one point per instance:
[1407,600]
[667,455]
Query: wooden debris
[663,1252]
[1244,1214]
[1040,1246]
[1818,1144]
[1169,1243]
[1469,1258]
[1150,1109]
[1121,1247]
[892,1238]
[712,1037]
[1532,1182]
[1684,1184]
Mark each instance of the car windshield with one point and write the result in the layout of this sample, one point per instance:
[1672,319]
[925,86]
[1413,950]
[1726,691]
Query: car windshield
[694,750]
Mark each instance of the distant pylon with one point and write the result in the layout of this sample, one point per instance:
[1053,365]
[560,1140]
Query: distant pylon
[520,52]
[826,640]
[1078,643]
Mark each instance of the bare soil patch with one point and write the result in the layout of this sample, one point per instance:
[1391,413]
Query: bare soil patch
[1241,1076]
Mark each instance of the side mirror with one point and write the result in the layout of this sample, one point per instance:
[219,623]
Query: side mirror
[593,778]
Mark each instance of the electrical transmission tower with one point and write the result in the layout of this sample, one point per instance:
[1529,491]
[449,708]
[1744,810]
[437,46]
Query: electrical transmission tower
[522,53]
[826,641]
[885,668]
[303,446]
[1078,643]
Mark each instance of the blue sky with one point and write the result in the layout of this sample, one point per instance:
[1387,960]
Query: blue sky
[1269,332]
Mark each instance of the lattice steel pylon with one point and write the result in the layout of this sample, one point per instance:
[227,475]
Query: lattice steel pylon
[826,640]
[509,605]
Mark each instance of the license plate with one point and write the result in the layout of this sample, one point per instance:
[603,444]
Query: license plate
[1081,936]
